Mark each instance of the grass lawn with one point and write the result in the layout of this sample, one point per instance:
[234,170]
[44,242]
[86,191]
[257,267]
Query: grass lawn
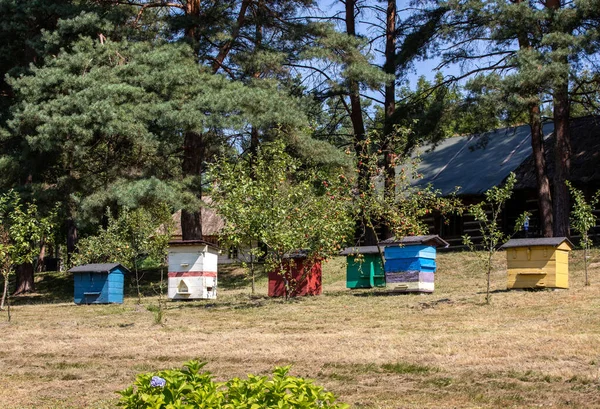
[373,350]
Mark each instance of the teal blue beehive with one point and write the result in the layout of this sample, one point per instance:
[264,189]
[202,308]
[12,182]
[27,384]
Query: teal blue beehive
[364,267]
[99,283]
[410,262]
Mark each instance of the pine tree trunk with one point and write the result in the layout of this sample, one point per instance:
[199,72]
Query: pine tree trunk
[24,276]
[537,147]
[364,231]
[191,221]
[562,161]
[193,149]
[543,184]
[72,232]
[389,108]
[562,134]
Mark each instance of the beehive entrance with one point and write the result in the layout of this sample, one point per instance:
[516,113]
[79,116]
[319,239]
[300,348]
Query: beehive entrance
[183,288]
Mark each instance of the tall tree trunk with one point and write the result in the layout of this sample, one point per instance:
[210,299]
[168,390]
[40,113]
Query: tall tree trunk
[389,108]
[193,149]
[191,221]
[72,237]
[562,160]
[543,184]
[24,276]
[364,231]
[562,133]
[537,147]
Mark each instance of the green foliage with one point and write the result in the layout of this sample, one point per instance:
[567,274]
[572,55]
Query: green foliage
[401,206]
[487,213]
[135,235]
[189,388]
[269,198]
[22,229]
[132,236]
[583,219]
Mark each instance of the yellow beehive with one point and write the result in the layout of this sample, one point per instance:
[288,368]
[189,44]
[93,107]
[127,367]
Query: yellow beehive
[538,263]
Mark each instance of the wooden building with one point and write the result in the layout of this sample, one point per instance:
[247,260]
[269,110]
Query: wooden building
[192,270]
[538,263]
[364,268]
[410,263]
[470,165]
[99,283]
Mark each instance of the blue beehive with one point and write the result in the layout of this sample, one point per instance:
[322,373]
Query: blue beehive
[410,263]
[99,283]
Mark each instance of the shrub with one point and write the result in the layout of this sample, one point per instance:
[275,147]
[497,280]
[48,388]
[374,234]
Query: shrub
[188,388]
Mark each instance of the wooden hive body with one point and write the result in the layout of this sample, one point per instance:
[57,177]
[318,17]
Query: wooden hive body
[410,268]
[192,270]
[538,266]
[98,285]
[304,281]
[364,268]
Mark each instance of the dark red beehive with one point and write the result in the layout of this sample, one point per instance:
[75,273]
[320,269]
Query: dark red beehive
[305,279]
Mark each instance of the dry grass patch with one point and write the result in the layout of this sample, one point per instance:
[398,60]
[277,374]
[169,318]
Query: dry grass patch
[374,350]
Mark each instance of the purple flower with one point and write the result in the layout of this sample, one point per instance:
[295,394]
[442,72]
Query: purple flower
[158,382]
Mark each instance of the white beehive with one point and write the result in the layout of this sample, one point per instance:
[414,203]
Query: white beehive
[192,270]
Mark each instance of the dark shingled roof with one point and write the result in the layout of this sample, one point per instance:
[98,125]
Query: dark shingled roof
[544,241]
[585,157]
[475,163]
[359,250]
[97,268]
[430,240]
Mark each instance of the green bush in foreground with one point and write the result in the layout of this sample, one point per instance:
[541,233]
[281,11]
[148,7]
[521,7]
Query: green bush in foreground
[188,388]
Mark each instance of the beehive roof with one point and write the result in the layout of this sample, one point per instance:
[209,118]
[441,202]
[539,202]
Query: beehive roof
[97,268]
[192,243]
[359,250]
[543,241]
[430,240]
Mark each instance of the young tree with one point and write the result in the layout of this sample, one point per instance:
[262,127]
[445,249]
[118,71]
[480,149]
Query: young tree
[272,200]
[582,220]
[129,239]
[487,213]
[22,231]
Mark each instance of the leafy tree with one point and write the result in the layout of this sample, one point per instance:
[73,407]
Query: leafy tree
[402,206]
[270,199]
[22,229]
[128,239]
[487,213]
[583,219]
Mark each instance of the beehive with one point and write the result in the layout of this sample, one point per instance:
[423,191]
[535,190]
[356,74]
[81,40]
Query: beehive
[192,270]
[98,283]
[538,263]
[364,267]
[303,274]
[410,263]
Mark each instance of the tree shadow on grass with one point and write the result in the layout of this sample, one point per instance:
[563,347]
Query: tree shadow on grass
[50,287]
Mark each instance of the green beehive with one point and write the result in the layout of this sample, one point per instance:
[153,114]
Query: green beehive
[365,268]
